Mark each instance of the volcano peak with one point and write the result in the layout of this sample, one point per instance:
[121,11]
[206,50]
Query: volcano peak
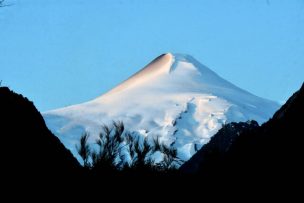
[174,97]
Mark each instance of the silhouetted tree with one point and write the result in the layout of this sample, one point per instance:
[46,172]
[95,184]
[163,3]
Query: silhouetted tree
[84,149]
[120,151]
[2,3]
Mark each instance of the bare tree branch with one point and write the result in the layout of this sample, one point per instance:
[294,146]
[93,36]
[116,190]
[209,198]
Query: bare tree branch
[2,4]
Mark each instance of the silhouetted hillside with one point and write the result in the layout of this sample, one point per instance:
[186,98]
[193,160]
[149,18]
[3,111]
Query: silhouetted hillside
[28,149]
[240,151]
[272,153]
[218,146]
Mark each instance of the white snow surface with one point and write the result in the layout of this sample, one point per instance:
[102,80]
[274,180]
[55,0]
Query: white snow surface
[174,97]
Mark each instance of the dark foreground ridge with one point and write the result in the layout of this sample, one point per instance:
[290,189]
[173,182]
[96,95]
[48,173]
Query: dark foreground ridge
[240,152]
[28,149]
[217,147]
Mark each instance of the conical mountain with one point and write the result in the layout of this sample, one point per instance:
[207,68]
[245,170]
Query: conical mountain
[174,97]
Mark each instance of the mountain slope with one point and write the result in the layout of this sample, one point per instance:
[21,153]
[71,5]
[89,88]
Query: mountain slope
[272,153]
[174,97]
[28,148]
[217,147]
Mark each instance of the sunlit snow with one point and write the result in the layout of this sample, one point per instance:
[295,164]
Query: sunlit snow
[174,97]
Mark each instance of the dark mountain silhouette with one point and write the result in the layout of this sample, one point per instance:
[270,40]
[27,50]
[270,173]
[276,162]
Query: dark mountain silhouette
[28,149]
[243,152]
[218,145]
[272,153]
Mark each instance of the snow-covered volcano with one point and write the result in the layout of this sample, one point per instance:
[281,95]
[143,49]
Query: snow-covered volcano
[174,97]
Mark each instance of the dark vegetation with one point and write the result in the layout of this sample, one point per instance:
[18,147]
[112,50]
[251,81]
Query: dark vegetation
[3,4]
[124,153]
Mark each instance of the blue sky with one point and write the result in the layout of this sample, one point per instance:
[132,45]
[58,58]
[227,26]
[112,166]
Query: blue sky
[59,53]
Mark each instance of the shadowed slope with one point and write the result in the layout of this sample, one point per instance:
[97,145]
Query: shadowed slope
[28,148]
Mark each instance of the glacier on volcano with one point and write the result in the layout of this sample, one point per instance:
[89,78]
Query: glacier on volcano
[174,97]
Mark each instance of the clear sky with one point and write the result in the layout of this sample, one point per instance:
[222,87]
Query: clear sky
[63,52]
